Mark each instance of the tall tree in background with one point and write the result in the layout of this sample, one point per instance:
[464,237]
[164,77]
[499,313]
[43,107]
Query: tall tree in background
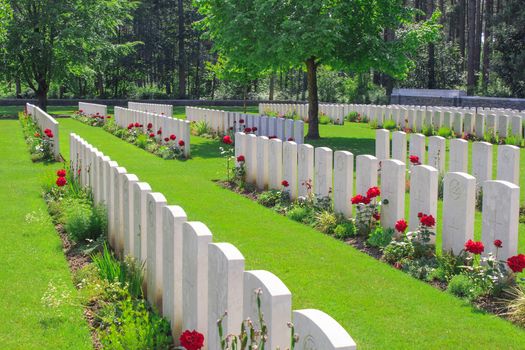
[309,33]
[5,18]
[48,39]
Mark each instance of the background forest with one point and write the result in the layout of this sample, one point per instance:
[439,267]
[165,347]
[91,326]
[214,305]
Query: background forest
[156,49]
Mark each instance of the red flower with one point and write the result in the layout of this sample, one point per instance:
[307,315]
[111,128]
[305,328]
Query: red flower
[108,117]
[516,263]
[498,243]
[231,127]
[191,340]
[419,215]
[48,133]
[241,121]
[366,200]
[373,192]
[285,183]
[241,158]
[130,126]
[181,143]
[248,130]
[254,129]
[398,265]
[159,132]
[227,140]
[377,216]
[98,113]
[474,247]
[151,135]
[173,137]
[414,160]
[166,139]
[401,226]
[291,139]
[80,111]
[61,181]
[61,173]
[150,126]
[427,220]
[137,125]
[272,137]
[358,199]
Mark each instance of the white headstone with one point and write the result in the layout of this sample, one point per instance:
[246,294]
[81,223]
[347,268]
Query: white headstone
[436,153]
[323,172]
[251,158]
[305,169]
[275,167]
[392,192]
[399,146]
[129,212]
[343,182]
[509,164]
[290,167]
[417,146]
[154,262]
[458,153]
[481,162]
[382,144]
[366,173]
[140,192]
[423,194]
[262,162]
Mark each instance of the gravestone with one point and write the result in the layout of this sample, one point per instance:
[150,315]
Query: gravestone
[290,168]
[323,172]
[173,218]
[491,124]
[276,306]
[516,126]
[399,146]
[459,201]
[468,123]
[251,158]
[280,128]
[305,169]
[195,240]
[298,132]
[343,182]
[155,202]
[392,192]
[367,167]
[240,144]
[417,146]
[500,217]
[423,195]
[480,125]
[288,130]
[140,192]
[458,155]
[503,125]
[382,144]
[447,120]
[509,164]
[436,153]
[262,162]
[481,162]
[275,166]
[225,293]
[129,212]
[457,125]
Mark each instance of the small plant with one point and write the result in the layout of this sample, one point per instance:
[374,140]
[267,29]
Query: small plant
[270,198]
[299,214]
[397,251]
[490,136]
[445,132]
[142,141]
[200,128]
[326,222]
[427,130]
[324,119]
[367,210]
[390,124]
[352,117]
[227,152]
[239,172]
[374,124]
[516,306]
[380,238]
[345,230]
[462,287]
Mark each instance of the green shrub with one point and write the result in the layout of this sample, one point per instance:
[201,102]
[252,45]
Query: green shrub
[324,119]
[120,133]
[445,132]
[352,116]
[396,251]
[326,222]
[345,230]
[200,128]
[463,287]
[380,238]
[449,265]
[373,124]
[82,221]
[270,198]
[135,328]
[390,124]
[152,147]
[421,269]
[299,214]
[142,141]
[428,130]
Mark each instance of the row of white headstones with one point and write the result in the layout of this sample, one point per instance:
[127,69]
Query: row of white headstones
[508,156]
[268,162]
[190,279]
[45,121]
[460,120]
[178,127]
[93,109]
[224,122]
[154,108]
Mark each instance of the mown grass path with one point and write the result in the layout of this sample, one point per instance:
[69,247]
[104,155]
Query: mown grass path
[31,256]
[382,308]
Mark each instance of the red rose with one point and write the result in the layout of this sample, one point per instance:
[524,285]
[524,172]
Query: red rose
[130,126]
[61,173]
[291,139]
[398,265]
[366,200]
[498,243]
[108,117]
[231,127]
[414,160]
[401,226]
[159,132]
[166,139]
[61,181]
[248,130]
[80,111]
[474,247]
[150,126]
[181,143]
[227,140]
[98,113]
[191,340]
[254,129]
[285,183]
[373,192]
[357,199]
[241,121]
[377,216]
[427,220]
[272,137]
[241,158]
[173,137]
[516,263]
[137,125]
[151,135]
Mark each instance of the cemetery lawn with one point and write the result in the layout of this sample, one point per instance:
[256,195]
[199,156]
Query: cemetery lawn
[31,256]
[382,308]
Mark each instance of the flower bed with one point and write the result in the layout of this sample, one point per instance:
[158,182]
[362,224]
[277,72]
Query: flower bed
[40,143]
[164,146]
[109,290]
[484,280]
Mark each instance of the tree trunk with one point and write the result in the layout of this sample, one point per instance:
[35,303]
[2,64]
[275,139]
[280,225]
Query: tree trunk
[461,26]
[272,86]
[471,57]
[431,64]
[313,100]
[479,28]
[489,9]
[182,55]
[18,86]
[41,93]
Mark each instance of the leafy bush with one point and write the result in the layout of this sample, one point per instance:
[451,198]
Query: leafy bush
[142,141]
[326,222]
[380,238]
[389,124]
[396,251]
[300,214]
[352,116]
[421,269]
[345,230]
[373,124]
[82,221]
[200,128]
[513,139]
[270,198]
[445,132]
[448,265]
[324,119]
[133,327]
[428,130]
[463,287]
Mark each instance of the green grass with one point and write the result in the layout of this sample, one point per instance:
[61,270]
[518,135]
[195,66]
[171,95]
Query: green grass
[31,256]
[382,308]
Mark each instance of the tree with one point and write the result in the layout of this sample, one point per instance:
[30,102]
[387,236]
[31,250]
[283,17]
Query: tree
[345,34]
[5,18]
[49,39]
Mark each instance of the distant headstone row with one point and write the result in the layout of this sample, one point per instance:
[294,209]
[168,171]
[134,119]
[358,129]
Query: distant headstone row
[224,122]
[167,125]
[190,279]
[93,109]
[45,121]
[325,173]
[479,122]
[154,108]
[508,166]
